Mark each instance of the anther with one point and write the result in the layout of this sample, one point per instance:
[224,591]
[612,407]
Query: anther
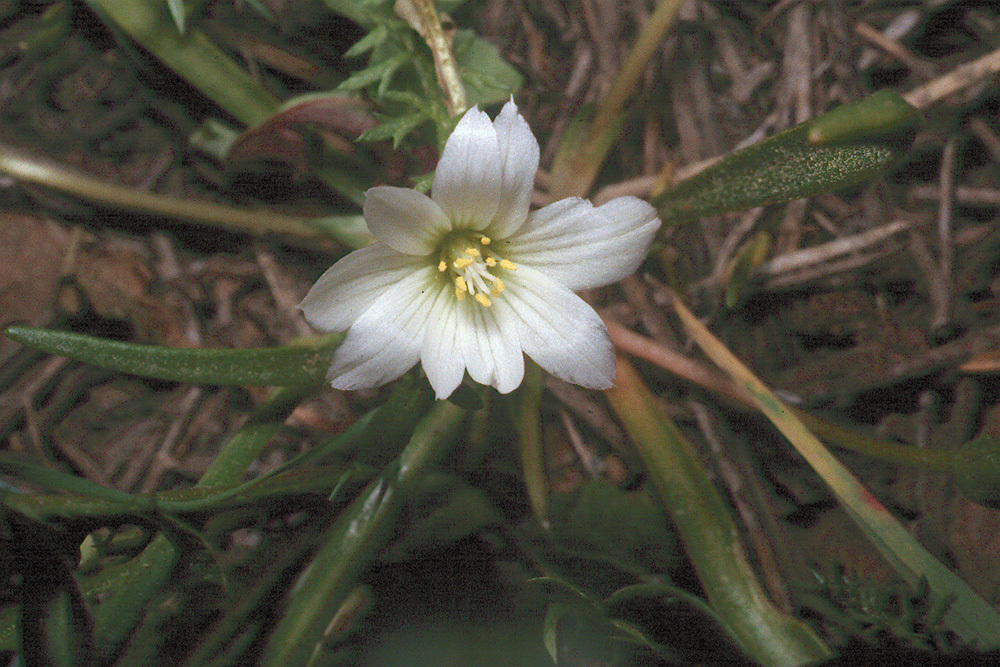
[472,251]
[463,263]
[491,262]
[442,266]
[485,240]
[507,264]
[481,298]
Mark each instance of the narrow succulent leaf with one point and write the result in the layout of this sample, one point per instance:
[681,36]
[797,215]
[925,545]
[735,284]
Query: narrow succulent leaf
[375,38]
[178,13]
[60,481]
[709,533]
[968,615]
[359,535]
[130,586]
[530,432]
[54,626]
[302,363]
[193,56]
[844,147]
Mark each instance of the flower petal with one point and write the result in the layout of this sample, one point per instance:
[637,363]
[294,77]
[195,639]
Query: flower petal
[404,219]
[385,341]
[558,330]
[518,166]
[488,342]
[467,181]
[581,246]
[351,286]
[441,358]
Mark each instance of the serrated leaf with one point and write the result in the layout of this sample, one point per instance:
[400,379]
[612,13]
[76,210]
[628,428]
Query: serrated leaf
[363,12]
[817,156]
[488,78]
[303,363]
[395,129]
[379,71]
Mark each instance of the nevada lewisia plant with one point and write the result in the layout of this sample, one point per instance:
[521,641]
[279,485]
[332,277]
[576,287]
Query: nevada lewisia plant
[469,280]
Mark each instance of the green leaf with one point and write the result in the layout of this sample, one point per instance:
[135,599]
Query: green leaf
[600,518]
[976,470]
[844,147]
[454,510]
[193,56]
[976,622]
[304,362]
[395,128]
[363,12]
[375,38]
[708,532]
[488,78]
[357,537]
[380,71]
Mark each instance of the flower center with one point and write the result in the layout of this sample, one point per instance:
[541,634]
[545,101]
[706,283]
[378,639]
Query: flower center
[472,265]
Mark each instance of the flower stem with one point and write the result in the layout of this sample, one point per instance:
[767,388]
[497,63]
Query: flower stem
[423,17]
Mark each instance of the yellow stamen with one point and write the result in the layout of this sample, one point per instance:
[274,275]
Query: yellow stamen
[485,240]
[472,251]
[460,284]
[507,264]
[463,263]
[443,266]
[491,262]
[497,287]
[481,298]
[459,294]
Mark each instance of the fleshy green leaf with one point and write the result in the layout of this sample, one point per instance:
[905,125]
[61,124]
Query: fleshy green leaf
[708,532]
[842,148]
[305,362]
[193,56]
[357,537]
[976,470]
[968,614]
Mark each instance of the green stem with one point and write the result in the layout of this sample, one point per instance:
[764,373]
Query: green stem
[258,223]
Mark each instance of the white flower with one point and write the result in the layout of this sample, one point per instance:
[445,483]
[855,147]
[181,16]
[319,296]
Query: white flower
[468,279]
